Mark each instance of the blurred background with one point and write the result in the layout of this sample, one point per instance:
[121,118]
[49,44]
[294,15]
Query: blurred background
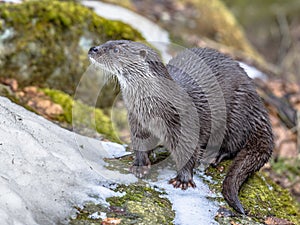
[43,57]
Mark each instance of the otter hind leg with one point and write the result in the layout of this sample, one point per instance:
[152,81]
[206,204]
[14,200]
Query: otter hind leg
[249,160]
[220,157]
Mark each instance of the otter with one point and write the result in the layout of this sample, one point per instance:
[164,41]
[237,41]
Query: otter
[202,106]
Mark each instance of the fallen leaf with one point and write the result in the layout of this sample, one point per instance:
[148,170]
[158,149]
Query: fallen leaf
[111,221]
[233,223]
[277,221]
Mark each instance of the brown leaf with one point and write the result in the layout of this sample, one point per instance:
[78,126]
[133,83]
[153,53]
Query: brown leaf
[111,221]
[220,168]
[30,89]
[277,221]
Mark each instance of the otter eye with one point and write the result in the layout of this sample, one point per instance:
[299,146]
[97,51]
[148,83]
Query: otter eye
[116,50]
[143,53]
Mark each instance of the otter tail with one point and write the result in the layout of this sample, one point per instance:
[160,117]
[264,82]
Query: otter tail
[249,160]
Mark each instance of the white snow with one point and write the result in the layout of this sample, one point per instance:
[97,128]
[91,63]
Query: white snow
[191,206]
[252,72]
[11,1]
[46,170]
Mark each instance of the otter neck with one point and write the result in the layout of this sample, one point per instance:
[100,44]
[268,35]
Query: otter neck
[158,69]
[151,82]
[143,77]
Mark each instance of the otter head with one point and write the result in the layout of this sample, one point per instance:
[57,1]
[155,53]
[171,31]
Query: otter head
[129,61]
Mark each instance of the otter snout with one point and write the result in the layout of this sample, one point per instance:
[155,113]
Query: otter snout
[97,51]
[93,50]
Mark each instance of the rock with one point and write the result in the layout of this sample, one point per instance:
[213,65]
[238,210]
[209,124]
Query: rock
[260,197]
[12,83]
[296,189]
[45,43]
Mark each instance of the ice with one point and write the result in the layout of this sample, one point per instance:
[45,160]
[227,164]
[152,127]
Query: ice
[45,170]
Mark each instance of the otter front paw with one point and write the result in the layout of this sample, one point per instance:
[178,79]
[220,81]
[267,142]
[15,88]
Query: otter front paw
[140,171]
[178,182]
[141,165]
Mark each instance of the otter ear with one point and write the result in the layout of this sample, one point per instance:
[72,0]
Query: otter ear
[143,53]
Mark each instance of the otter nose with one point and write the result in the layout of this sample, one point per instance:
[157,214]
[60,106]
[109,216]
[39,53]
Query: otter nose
[93,50]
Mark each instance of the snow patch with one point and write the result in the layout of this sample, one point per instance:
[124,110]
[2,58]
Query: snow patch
[252,72]
[11,1]
[191,206]
[45,170]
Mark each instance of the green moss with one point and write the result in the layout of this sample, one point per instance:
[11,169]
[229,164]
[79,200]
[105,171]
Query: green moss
[79,114]
[120,165]
[271,200]
[84,214]
[260,196]
[145,203]
[46,48]
[289,168]
[139,205]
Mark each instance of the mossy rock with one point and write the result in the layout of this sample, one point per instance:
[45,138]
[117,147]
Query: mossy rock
[80,115]
[259,195]
[45,43]
[216,22]
[140,205]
